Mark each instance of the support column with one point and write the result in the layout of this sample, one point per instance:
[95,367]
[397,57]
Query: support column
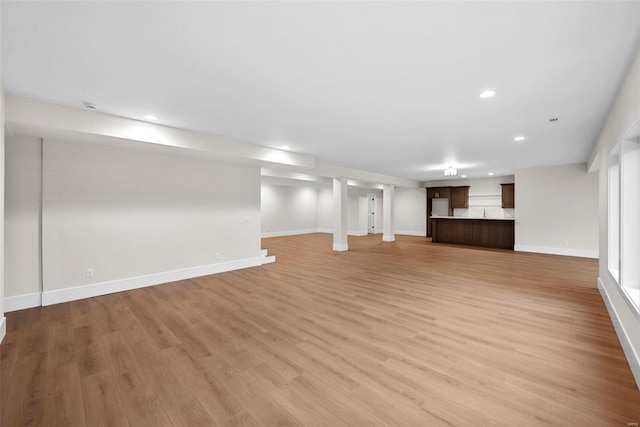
[388,195]
[340,214]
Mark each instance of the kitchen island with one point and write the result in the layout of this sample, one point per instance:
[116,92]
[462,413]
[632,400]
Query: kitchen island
[485,232]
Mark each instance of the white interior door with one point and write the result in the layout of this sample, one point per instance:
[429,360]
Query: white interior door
[371,213]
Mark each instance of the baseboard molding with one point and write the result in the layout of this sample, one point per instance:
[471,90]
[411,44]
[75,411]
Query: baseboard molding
[340,248]
[411,233]
[350,233]
[557,251]
[104,288]
[21,302]
[3,328]
[288,233]
[632,357]
[388,237]
[309,231]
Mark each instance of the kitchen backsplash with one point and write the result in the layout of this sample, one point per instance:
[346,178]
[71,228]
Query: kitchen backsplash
[489,206]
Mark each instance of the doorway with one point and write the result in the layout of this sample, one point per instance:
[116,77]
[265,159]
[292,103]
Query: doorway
[371,213]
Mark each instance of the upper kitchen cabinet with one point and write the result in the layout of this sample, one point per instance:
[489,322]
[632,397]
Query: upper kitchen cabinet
[460,197]
[438,192]
[508,196]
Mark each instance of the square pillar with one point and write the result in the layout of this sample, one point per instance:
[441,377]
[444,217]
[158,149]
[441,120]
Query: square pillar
[340,214]
[388,208]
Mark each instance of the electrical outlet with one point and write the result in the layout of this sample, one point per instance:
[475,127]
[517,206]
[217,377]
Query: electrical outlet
[565,243]
[247,218]
[217,256]
[89,272]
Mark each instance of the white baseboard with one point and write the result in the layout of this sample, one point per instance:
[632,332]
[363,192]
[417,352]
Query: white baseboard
[330,231]
[289,233]
[632,357]
[21,302]
[309,231]
[104,288]
[3,328]
[340,248]
[388,238]
[557,251]
[411,233]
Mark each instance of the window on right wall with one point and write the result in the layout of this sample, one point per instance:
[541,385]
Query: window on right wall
[624,215]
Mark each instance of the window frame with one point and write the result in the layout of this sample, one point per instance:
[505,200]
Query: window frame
[623,213]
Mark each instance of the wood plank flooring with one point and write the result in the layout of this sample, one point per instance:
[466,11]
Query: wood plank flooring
[407,333]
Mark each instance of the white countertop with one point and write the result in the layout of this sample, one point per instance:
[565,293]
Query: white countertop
[471,217]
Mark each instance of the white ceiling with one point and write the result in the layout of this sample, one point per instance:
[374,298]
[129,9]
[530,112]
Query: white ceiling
[387,87]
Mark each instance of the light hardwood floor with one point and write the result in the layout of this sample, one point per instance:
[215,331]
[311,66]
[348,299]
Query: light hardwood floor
[407,333]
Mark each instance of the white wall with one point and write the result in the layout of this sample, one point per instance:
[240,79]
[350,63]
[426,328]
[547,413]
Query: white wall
[141,217]
[410,211]
[3,323]
[325,210]
[557,210]
[357,212]
[23,198]
[288,210]
[623,114]
[285,213]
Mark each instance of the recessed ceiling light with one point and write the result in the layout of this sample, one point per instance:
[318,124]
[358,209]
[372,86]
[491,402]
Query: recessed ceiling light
[519,138]
[553,119]
[488,93]
[463,176]
[90,106]
[491,173]
[286,147]
[150,117]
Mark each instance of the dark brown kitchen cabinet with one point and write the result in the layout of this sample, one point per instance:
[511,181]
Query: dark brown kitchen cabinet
[508,196]
[490,233]
[438,192]
[460,197]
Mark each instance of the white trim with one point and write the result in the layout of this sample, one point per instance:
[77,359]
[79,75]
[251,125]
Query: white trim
[411,233]
[388,237]
[290,233]
[20,302]
[583,253]
[350,233]
[632,357]
[104,288]
[269,259]
[340,248]
[310,231]
[3,328]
